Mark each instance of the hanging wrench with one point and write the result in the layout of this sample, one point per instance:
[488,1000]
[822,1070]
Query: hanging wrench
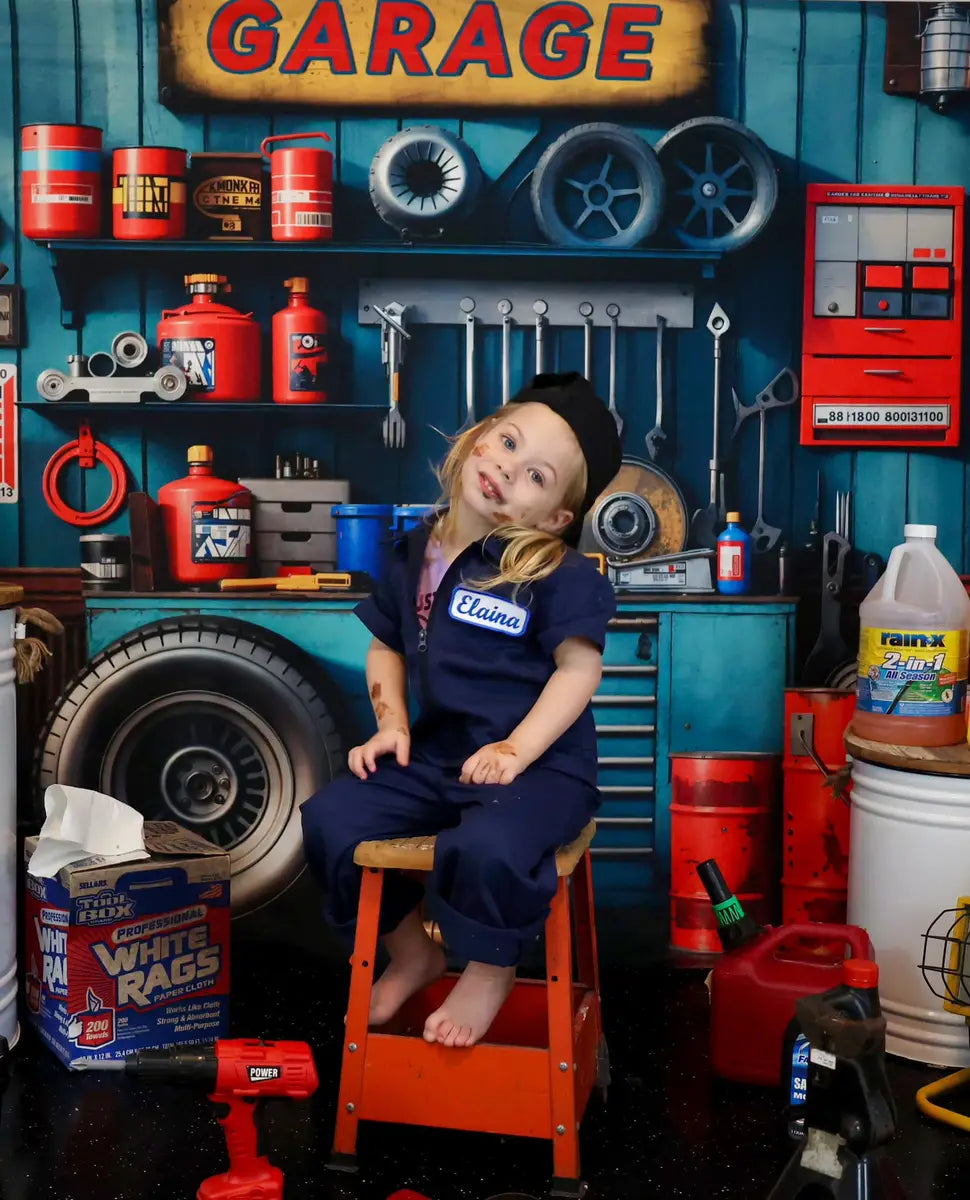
[705,521]
[586,312]
[467,306]
[764,537]
[657,435]
[767,398]
[540,308]
[613,312]
[505,310]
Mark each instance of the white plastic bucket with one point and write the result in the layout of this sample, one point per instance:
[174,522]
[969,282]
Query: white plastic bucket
[909,860]
[8,830]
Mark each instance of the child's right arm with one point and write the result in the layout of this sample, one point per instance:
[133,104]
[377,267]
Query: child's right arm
[387,687]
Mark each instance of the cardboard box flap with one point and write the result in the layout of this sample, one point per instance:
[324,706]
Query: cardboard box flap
[169,840]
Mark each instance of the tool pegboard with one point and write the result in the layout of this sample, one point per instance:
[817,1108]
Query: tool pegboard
[439,302]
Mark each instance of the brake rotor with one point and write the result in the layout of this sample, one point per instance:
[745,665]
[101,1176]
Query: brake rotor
[640,515]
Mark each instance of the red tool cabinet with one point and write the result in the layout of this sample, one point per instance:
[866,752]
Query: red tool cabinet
[882,315]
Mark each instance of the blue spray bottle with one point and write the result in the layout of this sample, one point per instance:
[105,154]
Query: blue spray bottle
[734,558]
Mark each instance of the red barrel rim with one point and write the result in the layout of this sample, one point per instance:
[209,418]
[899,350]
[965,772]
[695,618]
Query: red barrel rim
[797,691]
[726,755]
[175,149]
[61,125]
[212,153]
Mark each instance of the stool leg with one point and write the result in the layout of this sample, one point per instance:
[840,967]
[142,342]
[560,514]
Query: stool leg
[358,1011]
[588,963]
[562,1082]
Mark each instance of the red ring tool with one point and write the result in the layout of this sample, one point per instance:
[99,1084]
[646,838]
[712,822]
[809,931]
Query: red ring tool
[88,453]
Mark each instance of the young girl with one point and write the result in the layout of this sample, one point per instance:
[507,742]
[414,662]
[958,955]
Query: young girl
[493,628]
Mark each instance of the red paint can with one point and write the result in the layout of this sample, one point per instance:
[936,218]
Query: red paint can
[815,876]
[724,806]
[148,192]
[60,181]
[302,190]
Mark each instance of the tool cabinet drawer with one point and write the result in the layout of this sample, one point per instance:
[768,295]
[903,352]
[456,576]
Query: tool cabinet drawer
[893,378]
[912,339]
[293,516]
[297,547]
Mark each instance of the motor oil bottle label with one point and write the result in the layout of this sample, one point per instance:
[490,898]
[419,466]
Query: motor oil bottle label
[912,673]
[220,534]
[196,357]
[307,360]
[730,561]
[798,1087]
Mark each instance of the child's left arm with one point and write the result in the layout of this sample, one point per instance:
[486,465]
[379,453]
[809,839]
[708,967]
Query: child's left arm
[579,667]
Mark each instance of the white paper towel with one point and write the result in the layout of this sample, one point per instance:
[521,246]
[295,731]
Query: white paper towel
[82,823]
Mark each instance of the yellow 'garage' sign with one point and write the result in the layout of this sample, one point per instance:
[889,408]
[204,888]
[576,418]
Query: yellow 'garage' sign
[453,54]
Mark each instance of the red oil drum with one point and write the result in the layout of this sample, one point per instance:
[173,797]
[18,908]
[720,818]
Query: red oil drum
[60,181]
[148,192]
[724,806]
[815,875]
[208,523]
[302,190]
[217,346]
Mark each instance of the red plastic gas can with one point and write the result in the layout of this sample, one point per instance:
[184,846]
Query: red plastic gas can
[60,181]
[299,349]
[148,193]
[302,190]
[754,989]
[216,346]
[208,523]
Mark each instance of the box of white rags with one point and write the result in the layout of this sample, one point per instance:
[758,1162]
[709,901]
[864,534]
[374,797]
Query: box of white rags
[128,956]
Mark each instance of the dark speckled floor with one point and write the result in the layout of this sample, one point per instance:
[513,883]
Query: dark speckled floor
[668,1130]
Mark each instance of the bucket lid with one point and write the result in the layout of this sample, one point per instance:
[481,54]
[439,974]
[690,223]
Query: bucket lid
[361,510]
[924,531]
[104,537]
[413,508]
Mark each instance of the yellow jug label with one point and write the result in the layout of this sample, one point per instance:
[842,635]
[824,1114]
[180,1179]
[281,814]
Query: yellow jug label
[912,672]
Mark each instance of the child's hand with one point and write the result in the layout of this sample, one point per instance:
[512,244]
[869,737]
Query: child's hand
[395,741]
[499,762]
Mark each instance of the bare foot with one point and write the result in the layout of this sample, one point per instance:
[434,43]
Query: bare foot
[471,1006]
[415,962]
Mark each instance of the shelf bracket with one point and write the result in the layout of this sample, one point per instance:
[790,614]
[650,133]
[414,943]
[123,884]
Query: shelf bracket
[65,270]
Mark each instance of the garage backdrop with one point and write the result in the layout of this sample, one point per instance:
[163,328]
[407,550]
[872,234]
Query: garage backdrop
[806,77]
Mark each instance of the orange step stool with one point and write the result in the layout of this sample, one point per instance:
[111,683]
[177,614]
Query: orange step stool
[545,1052]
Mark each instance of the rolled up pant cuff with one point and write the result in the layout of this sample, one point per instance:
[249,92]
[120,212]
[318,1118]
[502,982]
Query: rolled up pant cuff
[471,941]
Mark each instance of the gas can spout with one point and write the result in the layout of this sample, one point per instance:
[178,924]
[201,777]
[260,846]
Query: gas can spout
[734,926]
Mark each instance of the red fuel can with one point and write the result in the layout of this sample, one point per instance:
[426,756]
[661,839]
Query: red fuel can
[148,192]
[208,523]
[299,349]
[216,346]
[60,181]
[302,190]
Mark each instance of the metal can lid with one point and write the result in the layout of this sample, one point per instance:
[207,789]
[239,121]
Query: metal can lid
[860,973]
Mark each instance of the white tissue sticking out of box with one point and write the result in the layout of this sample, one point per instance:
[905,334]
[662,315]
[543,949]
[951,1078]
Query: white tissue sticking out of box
[82,823]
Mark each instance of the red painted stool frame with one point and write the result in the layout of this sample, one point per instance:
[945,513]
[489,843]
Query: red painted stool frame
[548,1038]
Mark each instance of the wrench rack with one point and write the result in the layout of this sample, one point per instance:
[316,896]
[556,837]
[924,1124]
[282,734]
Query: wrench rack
[436,302]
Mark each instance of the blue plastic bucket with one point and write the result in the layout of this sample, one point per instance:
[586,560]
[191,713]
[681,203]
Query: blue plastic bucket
[361,529]
[406,516]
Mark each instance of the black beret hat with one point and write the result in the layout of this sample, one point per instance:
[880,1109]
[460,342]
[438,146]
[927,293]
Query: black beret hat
[571,395]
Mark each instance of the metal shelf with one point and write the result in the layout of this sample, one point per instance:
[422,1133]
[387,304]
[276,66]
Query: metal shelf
[70,260]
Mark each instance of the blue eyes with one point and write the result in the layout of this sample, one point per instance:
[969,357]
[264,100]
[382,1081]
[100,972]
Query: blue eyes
[535,476]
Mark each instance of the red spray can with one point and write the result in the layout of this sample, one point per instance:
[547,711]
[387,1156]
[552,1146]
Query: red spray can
[302,190]
[216,346]
[208,523]
[299,349]
[148,193]
[60,181]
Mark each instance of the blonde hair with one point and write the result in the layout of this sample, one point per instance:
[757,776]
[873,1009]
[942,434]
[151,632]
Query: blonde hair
[529,554]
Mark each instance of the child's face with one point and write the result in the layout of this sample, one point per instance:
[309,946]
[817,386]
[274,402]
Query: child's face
[520,470]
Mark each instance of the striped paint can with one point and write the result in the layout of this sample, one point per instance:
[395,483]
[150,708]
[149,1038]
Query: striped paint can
[60,181]
[148,193]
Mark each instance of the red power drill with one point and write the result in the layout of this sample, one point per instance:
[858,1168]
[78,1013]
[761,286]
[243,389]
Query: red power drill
[237,1074]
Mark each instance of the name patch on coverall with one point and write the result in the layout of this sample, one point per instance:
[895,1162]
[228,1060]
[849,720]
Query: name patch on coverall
[488,612]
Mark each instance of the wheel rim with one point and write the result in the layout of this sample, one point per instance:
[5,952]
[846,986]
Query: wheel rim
[721,186]
[426,177]
[206,761]
[599,196]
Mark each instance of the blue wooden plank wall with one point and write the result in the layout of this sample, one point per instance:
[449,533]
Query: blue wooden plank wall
[805,76]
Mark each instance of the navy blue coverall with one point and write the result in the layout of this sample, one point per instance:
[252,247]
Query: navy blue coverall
[474,672]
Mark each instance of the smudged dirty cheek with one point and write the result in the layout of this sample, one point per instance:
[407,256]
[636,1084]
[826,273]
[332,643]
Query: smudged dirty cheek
[479,450]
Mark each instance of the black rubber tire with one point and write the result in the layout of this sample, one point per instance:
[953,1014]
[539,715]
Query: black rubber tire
[265,740]
[699,184]
[550,190]
[424,180]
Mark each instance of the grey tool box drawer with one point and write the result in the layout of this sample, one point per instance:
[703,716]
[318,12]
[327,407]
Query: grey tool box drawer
[296,546]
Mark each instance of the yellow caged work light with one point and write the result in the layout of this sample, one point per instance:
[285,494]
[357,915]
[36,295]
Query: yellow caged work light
[946,958]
